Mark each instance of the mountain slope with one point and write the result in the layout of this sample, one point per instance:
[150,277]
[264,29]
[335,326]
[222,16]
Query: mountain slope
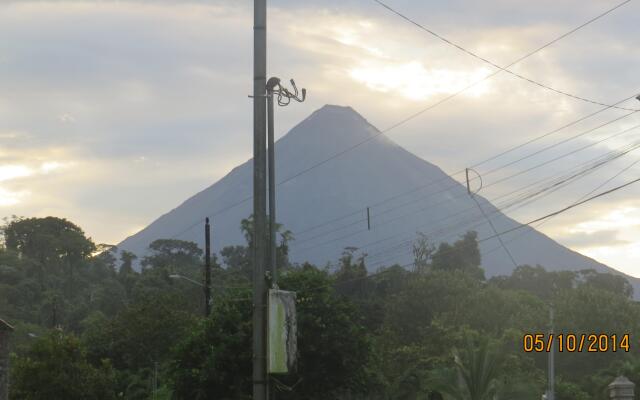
[376,170]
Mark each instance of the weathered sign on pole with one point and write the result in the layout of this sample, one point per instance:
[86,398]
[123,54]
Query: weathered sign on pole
[282,336]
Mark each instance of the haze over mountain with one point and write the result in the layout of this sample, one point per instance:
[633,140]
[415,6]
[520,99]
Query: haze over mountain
[405,194]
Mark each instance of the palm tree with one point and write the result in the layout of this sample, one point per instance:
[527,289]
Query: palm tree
[476,372]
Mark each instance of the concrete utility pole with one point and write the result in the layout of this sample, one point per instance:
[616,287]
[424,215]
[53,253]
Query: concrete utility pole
[260,382]
[207,268]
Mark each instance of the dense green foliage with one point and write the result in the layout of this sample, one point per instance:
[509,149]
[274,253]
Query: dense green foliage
[89,326]
[56,367]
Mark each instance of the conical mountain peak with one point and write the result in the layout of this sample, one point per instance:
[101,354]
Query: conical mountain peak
[334,110]
[332,123]
[336,163]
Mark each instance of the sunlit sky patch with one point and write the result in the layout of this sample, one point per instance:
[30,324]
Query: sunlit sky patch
[8,172]
[415,82]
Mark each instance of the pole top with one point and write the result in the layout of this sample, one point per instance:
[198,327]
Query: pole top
[207,220]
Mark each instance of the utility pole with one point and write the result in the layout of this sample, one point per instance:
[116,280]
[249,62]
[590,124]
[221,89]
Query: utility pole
[551,394]
[260,382]
[272,83]
[207,268]
[284,98]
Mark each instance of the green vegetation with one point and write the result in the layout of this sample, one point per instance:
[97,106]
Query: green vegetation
[88,326]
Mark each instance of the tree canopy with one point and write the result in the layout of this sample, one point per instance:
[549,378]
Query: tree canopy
[93,323]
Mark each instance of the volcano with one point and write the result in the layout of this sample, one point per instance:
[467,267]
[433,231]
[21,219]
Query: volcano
[326,206]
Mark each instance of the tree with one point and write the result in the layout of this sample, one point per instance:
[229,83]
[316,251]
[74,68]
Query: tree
[422,253]
[173,254]
[238,260]
[126,262]
[463,255]
[55,244]
[215,360]
[333,346]
[106,255]
[51,241]
[56,368]
[140,334]
[350,274]
[538,281]
[606,281]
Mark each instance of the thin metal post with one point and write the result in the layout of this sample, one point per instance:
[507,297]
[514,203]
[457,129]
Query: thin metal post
[271,84]
[551,394]
[207,268]
[259,198]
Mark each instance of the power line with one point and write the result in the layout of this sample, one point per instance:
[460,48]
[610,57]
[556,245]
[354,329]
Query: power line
[519,203]
[483,162]
[415,115]
[559,143]
[506,250]
[493,183]
[455,186]
[617,174]
[500,68]
[561,182]
[564,155]
[552,214]
[385,271]
[535,139]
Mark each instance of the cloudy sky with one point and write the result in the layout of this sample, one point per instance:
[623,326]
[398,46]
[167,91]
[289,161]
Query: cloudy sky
[114,112]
